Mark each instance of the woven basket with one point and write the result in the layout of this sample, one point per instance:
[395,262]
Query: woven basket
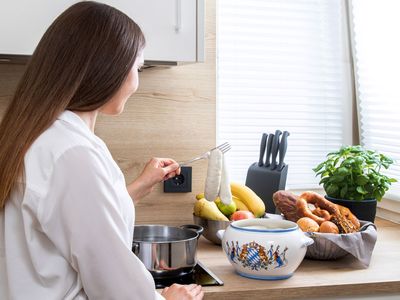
[334,247]
[324,249]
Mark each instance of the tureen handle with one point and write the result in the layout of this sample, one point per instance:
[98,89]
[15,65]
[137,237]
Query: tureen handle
[307,241]
[220,234]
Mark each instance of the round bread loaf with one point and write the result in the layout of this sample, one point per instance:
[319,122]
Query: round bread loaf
[328,227]
[308,225]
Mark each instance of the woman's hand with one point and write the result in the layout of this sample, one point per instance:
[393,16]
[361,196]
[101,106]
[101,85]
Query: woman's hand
[183,292]
[155,171]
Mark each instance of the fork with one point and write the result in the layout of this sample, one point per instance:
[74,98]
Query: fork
[225,147]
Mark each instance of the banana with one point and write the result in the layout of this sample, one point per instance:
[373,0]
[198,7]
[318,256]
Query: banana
[239,204]
[208,210]
[200,196]
[249,198]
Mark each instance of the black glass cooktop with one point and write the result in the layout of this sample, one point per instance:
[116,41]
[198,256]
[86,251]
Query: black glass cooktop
[200,275]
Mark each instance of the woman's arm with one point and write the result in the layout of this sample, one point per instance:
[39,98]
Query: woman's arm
[155,171]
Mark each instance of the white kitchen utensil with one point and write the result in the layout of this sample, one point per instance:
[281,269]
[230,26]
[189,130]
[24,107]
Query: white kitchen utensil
[225,147]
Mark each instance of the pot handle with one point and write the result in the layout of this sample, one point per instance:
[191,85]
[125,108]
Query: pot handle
[220,233]
[135,247]
[197,228]
[307,241]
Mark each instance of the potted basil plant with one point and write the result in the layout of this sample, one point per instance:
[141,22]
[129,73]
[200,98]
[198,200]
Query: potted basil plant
[352,177]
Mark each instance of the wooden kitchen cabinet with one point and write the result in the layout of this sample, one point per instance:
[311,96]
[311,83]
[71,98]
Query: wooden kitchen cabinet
[174,29]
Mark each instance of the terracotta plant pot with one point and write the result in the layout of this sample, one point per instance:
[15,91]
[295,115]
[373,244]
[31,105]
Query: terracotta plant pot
[364,210]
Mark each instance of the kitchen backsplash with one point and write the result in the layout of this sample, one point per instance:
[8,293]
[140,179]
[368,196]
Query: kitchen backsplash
[171,115]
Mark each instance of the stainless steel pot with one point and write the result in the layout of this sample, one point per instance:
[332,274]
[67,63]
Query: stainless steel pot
[167,251]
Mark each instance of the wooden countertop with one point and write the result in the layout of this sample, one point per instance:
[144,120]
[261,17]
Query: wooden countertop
[316,279]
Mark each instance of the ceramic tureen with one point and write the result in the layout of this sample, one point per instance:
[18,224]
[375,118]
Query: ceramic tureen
[264,248]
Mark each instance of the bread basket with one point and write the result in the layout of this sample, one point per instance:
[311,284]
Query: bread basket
[328,246]
[323,249]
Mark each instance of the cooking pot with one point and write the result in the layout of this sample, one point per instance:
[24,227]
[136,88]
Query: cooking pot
[167,251]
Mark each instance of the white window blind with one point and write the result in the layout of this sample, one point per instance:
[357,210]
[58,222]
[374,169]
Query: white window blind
[376,28]
[283,64]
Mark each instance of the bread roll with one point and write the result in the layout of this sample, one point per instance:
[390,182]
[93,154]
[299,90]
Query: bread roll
[286,203]
[349,216]
[308,225]
[328,227]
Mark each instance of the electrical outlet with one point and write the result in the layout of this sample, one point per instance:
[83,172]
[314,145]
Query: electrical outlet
[181,183]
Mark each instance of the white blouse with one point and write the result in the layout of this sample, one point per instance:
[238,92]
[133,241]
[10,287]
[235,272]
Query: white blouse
[69,235]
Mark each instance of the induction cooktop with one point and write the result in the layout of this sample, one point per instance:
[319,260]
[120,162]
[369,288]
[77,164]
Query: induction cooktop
[200,275]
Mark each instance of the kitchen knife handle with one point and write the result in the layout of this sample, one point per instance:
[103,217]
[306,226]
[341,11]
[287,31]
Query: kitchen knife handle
[269,146]
[262,149]
[275,148]
[282,149]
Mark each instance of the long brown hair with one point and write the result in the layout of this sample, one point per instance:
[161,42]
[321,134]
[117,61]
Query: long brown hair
[79,64]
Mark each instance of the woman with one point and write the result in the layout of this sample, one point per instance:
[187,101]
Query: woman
[66,215]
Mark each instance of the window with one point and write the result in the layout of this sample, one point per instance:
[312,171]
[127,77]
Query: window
[375,25]
[283,65]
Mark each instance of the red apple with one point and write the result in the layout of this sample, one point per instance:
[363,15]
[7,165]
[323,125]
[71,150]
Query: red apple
[242,214]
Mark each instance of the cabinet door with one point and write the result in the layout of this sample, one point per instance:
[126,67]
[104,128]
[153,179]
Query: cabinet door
[170,26]
[23,22]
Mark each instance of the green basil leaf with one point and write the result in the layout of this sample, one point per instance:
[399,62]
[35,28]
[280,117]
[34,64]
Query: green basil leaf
[343,192]
[361,190]
[319,167]
[362,179]
[343,171]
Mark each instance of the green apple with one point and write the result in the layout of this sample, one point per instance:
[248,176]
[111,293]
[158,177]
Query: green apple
[227,210]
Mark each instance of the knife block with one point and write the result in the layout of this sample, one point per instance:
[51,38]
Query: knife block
[265,182]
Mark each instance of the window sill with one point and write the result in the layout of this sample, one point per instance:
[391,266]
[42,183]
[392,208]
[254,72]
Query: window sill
[389,210]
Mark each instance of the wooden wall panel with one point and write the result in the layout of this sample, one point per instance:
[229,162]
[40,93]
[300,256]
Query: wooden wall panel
[171,115]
